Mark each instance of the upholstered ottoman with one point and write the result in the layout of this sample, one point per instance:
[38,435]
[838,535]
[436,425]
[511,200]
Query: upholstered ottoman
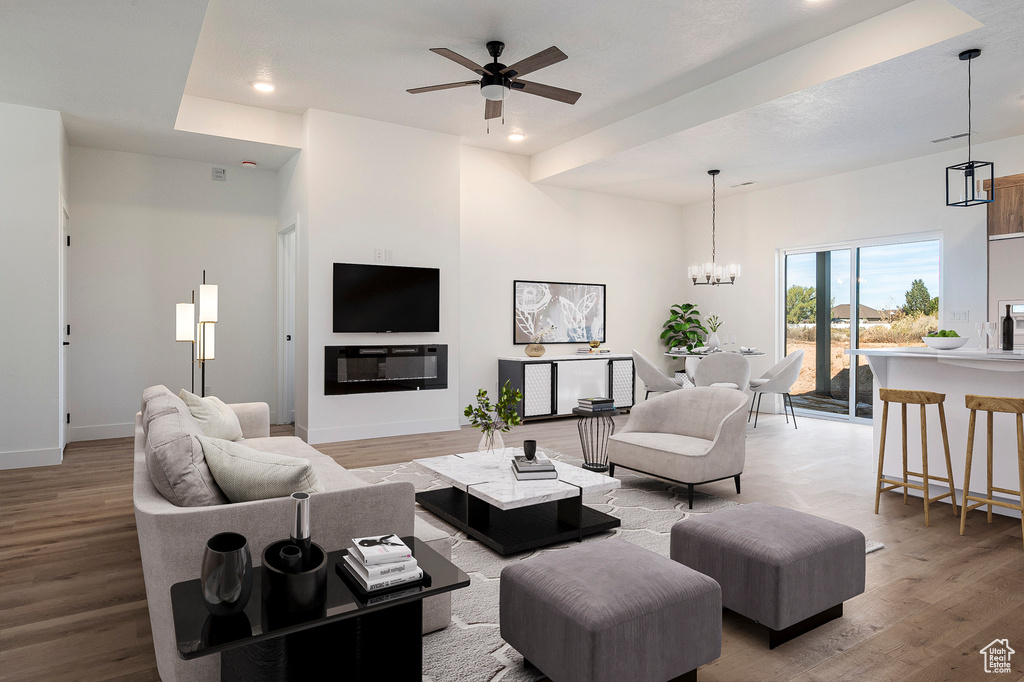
[609,611]
[788,570]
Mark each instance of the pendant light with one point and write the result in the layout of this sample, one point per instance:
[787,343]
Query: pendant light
[712,273]
[969,184]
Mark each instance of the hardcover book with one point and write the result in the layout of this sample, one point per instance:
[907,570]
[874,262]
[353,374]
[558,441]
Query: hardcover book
[380,549]
[534,475]
[523,464]
[381,583]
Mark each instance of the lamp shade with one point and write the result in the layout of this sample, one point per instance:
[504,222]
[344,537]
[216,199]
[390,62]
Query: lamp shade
[207,302]
[185,317]
[204,341]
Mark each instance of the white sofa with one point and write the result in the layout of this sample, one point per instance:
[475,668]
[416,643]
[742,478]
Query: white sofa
[690,437]
[172,538]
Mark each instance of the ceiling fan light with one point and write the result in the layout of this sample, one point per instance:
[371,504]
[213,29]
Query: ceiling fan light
[494,92]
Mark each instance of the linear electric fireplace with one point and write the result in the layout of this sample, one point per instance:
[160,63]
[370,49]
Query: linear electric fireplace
[379,369]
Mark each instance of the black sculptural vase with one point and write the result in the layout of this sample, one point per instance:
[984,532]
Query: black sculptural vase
[530,449]
[226,574]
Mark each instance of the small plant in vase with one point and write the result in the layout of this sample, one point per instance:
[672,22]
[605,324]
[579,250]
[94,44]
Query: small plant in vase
[495,419]
[714,324]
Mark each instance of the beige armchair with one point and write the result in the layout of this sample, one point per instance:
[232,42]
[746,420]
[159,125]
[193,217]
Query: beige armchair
[688,437]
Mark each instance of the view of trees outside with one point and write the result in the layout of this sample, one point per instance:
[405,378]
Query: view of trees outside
[897,307]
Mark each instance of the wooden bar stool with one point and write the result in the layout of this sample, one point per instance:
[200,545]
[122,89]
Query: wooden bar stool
[922,398]
[992,405]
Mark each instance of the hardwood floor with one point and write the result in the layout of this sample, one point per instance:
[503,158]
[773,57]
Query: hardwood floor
[73,606]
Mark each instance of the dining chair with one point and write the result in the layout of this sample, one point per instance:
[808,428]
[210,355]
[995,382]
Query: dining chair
[778,380]
[655,381]
[725,370]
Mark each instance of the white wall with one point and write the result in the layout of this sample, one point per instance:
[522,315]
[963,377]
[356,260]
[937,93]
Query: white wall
[144,228]
[30,183]
[512,230]
[378,185]
[896,199]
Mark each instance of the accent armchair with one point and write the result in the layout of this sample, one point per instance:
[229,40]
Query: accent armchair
[688,437]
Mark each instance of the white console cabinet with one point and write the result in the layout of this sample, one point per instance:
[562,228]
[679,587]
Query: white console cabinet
[552,385]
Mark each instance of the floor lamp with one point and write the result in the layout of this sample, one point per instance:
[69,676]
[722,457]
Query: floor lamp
[201,333]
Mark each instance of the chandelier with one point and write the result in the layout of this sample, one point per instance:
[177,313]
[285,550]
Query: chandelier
[711,272]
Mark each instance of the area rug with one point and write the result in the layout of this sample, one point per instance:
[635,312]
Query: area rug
[471,649]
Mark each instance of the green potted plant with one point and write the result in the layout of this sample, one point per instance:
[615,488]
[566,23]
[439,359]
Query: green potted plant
[683,330]
[495,419]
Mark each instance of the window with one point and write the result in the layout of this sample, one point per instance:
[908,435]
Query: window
[894,287]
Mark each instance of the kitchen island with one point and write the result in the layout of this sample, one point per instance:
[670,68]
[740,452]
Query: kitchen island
[955,373]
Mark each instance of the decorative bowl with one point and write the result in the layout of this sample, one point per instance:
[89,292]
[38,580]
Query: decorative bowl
[944,342]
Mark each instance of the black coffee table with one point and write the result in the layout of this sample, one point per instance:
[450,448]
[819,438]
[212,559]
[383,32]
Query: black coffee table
[372,638]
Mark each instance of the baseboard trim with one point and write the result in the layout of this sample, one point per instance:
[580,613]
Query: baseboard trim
[23,459]
[363,431]
[101,431]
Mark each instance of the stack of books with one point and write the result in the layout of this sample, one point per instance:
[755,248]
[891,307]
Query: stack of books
[532,470]
[596,405]
[380,562]
[587,350]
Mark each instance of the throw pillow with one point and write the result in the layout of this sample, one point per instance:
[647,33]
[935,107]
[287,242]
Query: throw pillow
[175,462]
[216,420]
[245,474]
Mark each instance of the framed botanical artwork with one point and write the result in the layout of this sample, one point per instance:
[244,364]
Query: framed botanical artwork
[558,312]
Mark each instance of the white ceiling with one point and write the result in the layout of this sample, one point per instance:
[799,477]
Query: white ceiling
[625,56]
[118,70]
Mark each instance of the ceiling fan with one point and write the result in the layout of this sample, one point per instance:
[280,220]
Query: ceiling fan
[497,80]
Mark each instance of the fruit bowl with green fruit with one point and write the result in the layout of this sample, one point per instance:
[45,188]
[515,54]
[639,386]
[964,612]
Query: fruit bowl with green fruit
[944,339]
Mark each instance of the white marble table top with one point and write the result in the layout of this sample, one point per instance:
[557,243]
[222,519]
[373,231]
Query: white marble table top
[499,487]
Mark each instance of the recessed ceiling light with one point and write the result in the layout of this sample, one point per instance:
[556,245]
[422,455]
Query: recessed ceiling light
[263,86]
[517,137]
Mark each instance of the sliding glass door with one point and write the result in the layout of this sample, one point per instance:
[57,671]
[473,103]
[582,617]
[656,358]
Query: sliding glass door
[871,294]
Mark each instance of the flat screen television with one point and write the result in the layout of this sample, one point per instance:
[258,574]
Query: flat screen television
[386,298]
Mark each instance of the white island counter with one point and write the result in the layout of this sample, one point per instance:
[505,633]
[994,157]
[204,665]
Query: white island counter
[955,373]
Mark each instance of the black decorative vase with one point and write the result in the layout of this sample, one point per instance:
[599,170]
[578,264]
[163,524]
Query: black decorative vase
[227,574]
[530,449]
[294,583]
[289,595]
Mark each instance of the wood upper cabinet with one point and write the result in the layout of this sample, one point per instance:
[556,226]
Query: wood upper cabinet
[1006,212]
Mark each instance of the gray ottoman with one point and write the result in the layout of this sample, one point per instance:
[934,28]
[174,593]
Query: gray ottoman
[788,570]
[611,611]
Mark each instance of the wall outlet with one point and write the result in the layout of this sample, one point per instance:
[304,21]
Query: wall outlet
[389,256]
[378,255]
[959,316]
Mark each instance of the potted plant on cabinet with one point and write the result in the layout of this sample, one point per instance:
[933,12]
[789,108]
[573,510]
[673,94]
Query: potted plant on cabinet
[495,419]
[683,330]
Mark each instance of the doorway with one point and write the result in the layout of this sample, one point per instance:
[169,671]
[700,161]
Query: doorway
[64,328]
[286,273]
[879,293]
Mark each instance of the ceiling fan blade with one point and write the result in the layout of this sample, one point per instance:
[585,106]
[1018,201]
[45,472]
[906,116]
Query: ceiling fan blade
[549,91]
[492,109]
[446,86]
[459,59]
[547,57]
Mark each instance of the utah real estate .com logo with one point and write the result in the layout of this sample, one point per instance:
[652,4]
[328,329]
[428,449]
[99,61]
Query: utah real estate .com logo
[997,656]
